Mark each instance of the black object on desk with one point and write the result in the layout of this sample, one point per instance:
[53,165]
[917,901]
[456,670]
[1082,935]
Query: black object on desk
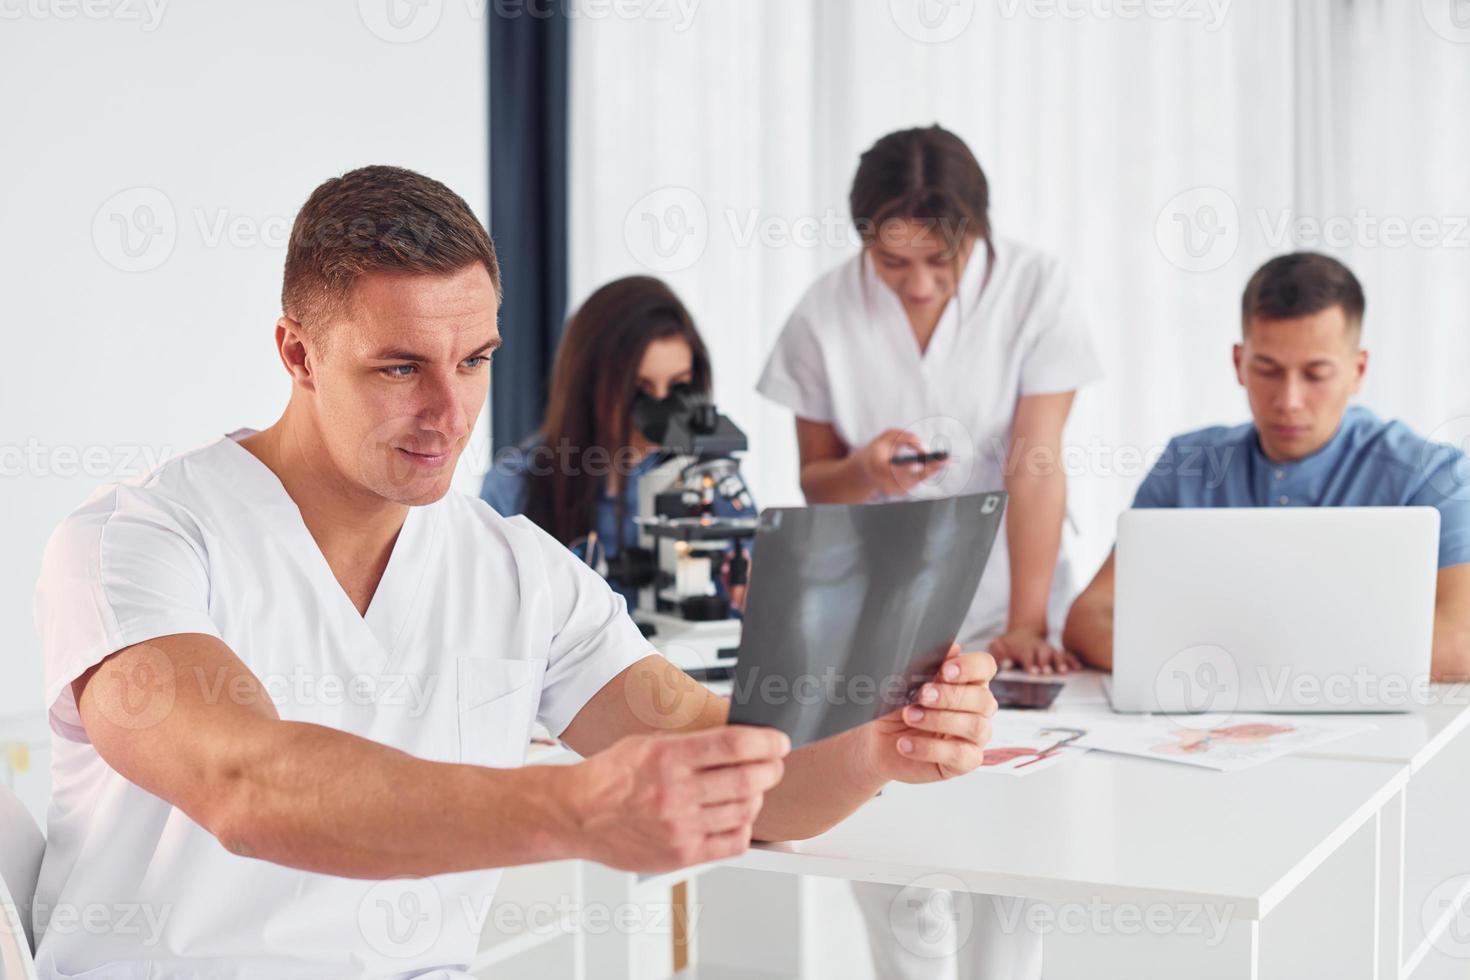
[1025,694]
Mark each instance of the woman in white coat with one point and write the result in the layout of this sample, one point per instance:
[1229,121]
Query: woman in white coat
[941,340]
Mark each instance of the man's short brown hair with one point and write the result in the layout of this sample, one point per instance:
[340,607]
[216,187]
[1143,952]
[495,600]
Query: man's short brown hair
[1301,284]
[376,219]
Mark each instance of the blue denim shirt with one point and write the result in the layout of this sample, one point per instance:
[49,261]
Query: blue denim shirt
[1367,463]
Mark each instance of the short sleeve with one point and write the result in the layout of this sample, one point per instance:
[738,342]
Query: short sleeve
[1447,489]
[593,639]
[120,570]
[796,373]
[1061,356]
[1161,487]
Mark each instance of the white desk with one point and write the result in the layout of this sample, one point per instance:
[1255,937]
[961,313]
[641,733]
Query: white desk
[1123,830]
[1143,832]
[1414,738]
[1129,834]
[1425,847]
[1326,839]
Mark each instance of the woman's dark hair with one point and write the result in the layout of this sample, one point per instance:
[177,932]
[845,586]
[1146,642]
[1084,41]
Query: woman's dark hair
[926,175]
[593,384]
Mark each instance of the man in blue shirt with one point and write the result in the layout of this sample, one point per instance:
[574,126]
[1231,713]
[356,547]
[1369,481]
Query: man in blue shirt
[1300,361]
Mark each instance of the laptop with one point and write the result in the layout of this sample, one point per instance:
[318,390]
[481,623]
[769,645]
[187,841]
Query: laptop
[1327,609]
[852,607]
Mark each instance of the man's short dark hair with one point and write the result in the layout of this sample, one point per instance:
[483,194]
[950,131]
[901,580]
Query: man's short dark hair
[376,219]
[1301,284]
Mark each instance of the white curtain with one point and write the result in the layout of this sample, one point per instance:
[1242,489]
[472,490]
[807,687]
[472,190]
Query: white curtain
[1163,150]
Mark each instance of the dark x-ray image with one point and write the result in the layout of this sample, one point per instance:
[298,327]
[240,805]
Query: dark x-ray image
[852,607]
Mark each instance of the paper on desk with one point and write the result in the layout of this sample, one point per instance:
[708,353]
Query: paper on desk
[1221,742]
[1025,742]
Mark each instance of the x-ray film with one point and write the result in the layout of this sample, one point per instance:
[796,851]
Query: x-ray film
[852,607]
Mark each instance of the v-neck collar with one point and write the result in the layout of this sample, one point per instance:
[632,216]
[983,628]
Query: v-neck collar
[968,293]
[394,599]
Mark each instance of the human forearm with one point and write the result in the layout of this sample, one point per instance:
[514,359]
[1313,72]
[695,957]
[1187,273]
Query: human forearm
[940,735]
[1451,661]
[818,785]
[805,792]
[1038,506]
[834,473]
[1089,633]
[1089,630]
[824,783]
[323,800]
[836,481]
[1452,625]
[306,795]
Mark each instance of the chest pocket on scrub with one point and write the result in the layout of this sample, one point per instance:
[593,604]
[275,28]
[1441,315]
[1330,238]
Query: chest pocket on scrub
[497,704]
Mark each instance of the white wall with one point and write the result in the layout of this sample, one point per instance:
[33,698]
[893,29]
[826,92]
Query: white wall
[742,123]
[221,118]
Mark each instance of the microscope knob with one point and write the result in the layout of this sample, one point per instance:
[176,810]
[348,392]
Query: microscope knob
[705,418]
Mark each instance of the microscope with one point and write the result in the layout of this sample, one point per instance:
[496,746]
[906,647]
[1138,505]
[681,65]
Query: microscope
[694,513]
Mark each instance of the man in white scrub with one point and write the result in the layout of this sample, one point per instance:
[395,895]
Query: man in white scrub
[940,338]
[292,677]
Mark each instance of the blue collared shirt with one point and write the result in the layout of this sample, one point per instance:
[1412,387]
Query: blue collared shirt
[1367,463]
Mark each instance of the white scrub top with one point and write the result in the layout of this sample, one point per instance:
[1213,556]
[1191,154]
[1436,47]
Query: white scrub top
[480,626]
[848,357]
